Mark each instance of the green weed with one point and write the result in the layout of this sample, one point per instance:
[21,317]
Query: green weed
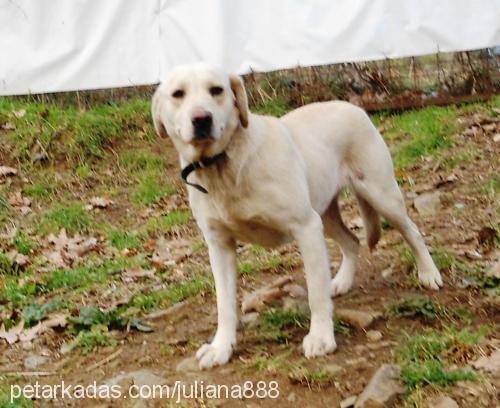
[73,218]
[421,133]
[312,378]
[150,190]
[424,357]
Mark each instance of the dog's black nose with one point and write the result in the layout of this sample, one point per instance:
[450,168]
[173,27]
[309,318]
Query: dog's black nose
[202,124]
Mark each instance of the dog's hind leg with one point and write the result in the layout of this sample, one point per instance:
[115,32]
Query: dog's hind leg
[380,190]
[349,245]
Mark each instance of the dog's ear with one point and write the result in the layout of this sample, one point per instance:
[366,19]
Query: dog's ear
[156,107]
[241,100]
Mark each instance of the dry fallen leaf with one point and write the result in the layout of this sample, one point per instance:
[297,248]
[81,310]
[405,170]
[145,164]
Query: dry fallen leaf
[12,335]
[18,333]
[66,250]
[100,202]
[7,171]
[256,301]
[55,320]
[18,258]
[172,252]
[9,126]
[139,272]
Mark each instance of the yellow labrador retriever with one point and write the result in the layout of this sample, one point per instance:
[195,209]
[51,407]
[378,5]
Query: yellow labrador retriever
[266,180]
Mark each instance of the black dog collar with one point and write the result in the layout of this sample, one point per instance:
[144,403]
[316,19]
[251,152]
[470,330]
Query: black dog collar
[203,162]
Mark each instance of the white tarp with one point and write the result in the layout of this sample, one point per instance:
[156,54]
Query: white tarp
[60,45]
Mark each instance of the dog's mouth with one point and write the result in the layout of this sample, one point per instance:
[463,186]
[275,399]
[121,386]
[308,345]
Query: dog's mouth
[203,141]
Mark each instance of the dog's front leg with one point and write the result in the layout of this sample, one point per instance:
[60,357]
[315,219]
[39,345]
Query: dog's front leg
[311,241]
[222,252]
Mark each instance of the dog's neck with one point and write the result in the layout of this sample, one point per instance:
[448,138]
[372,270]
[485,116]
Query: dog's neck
[224,166]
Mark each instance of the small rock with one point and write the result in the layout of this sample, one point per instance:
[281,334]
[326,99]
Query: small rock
[489,363]
[428,203]
[294,304]
[356,318]
[442,402]
[348,402]
[295,290]
[249,317]
[496,138]
[459,206]
[188,364]
[333,369]
[33,361]
[139,378]
[292,397]
[356,361]
[494,270]
[386,273]
[383,389]
[356,223]
[27,345]
[373,335]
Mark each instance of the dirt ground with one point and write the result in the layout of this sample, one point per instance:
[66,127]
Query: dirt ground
[462,231]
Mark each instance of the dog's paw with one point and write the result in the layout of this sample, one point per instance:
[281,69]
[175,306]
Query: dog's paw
[431,279]
[340,285]
[211,355]
[319,344]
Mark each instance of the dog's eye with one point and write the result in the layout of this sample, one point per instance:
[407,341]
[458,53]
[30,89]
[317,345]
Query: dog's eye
[216,90]
[178,94]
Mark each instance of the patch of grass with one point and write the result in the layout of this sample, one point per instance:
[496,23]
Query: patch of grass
[23,243]
[462,157]
[8,267]
[135,161]
[150,190]
[407,256]
[83,170]
[34,312]
[443,259]
[261,259]
[83,277]
[92,316]
[123,239]
[491,187]
[166,224]
[17,294]
[274,322]
[176,292]
[40,190]
[417,307]
[424,357]
[247,268]
[71,133]
[433,373]
[4,209]
[272,107]
[73,218]
[279,363]
[312,378]
[341,327]
[421,133]
[89,340]
[5,397]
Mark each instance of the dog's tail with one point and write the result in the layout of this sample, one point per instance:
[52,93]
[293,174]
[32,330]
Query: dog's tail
[371,221]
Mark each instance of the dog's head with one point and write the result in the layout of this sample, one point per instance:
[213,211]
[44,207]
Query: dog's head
[199,107]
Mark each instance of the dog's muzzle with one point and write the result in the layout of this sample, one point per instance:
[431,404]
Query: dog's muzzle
[202,124]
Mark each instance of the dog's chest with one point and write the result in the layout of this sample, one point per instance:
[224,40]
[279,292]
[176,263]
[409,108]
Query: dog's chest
[257,232]
[247,221]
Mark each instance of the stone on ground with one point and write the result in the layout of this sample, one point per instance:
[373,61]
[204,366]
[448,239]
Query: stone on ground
[428,203]
[383,389]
